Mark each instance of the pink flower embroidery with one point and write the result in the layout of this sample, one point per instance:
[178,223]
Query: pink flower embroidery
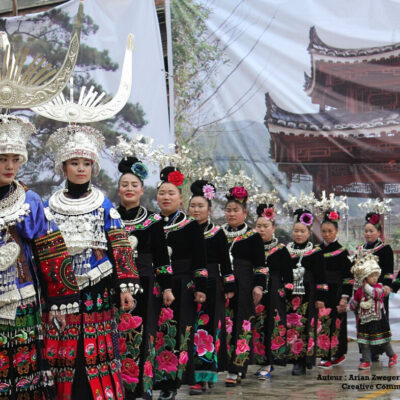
[324,312]
[165,314]
[338,323]
[277,318]
[323,342]
[246,325]
[259,309]
[293,319]
[296,301]
[242,346]
[259,348]
[282,330]
[203,342]
[319,326]
[122,345]
[169,269]
[156,291]
[167,361]
[148,369]
[129,322]
[310,344]
[334,341]
[204,319]
[183,358]
[228,325]
[292,336]
[217,345]
[297,346]
[277,343]
[219,324]
[159,340]
[147,222]
[129,371]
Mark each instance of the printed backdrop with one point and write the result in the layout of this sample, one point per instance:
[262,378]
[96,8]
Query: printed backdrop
[302,94]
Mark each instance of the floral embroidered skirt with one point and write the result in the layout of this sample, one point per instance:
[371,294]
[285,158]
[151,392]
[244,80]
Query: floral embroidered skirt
[84,357]
[24,375]
[240,315]
[334,325]
[207,329]
[137,331]
[173,364]
[269,331]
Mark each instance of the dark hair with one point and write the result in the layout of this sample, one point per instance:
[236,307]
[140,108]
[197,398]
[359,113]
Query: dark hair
[197,189]
[260,210]
[374,219]
[125,167]
[328,218]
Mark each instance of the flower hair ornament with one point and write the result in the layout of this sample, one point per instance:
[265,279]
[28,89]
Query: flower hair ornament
[331,207]
[266,204]
[299,206]
[133,166]
[172,175]
[237,193]
[204,189]
[375,209]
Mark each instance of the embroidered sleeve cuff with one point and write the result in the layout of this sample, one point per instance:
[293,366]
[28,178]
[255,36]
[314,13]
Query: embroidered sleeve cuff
[323,287]
[289,286]
[229,283]
[200,279]
[388,279]
[260,271]
[164,276]
[164,270]
[125,267]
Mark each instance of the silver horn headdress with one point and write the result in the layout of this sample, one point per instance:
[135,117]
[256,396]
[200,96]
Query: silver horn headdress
[35,85]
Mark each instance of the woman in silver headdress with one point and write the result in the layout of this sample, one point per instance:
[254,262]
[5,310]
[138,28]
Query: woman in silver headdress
[104,266]
[34,266]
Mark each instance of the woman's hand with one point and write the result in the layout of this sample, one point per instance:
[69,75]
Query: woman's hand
[127,301]
[319,304]
[199,297]
[168,297]
[257,295]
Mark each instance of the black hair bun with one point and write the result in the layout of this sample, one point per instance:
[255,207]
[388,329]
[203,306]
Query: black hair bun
[166,171]
[261,207]
[197,187]
[125,165]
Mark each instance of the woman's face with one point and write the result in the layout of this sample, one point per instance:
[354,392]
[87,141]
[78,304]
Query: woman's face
[329,232]
[199,209]
[265,228]
[300,233]
[130,190]
[371,234]
[235,214]
[169,198]
[9,165]
[78,170]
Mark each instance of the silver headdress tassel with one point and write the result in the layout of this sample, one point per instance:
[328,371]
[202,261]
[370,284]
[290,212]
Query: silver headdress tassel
[35,85]
[306,202]
[84,141]
[332,204]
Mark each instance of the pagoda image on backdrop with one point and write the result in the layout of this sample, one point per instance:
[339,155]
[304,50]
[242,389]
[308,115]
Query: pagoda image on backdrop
[352,145]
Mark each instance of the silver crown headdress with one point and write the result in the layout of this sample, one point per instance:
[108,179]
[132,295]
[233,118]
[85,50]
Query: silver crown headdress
[84,141]
[270,197]
[364,266]
[300,202]
[331,203]
[34,86]
[377,206]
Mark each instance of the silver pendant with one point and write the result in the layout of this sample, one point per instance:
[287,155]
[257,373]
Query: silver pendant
[9,253]
[169,248]
[133,241]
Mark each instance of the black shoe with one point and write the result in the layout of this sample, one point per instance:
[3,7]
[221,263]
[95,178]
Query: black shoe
[210,385]
[167,395]
[299,369]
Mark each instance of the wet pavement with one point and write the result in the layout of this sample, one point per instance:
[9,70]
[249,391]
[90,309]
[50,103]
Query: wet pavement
[341,382]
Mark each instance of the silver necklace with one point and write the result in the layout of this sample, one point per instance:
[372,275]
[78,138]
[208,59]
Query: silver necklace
[367,251]
[269,246]
[140,217]
[207,231]
[233,234]
[62,204]
[299,252]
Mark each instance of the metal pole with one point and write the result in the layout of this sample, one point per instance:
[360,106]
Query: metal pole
[170,68]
